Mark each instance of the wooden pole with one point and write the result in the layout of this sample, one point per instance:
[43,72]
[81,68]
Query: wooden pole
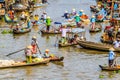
[112,8]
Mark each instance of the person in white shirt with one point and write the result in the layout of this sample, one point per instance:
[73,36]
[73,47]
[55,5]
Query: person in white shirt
[116,43]
[64,31]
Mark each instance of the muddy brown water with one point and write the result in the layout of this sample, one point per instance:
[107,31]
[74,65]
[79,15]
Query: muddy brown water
[79,63]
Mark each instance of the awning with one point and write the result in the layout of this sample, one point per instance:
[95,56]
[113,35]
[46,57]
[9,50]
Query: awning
[77,30]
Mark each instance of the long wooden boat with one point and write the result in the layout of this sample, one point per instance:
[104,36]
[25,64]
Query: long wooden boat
[50,32]
[19,7]
[22,64]
[53,32]
[96,46]
[107,68]
[22,31]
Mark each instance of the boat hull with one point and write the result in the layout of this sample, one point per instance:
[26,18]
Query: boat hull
[45,61]
[107,68]
[21,32]
[96,46]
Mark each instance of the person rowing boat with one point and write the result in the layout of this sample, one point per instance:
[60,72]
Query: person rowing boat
[111,58]
[34,48]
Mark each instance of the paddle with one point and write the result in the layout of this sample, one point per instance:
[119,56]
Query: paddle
[38,48]
[115,62]
[41,29]
[15,52]
[56,41]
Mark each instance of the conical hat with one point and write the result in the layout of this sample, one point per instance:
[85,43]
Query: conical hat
[111,49]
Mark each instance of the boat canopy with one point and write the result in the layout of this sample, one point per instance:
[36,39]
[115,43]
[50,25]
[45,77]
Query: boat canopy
[77,30]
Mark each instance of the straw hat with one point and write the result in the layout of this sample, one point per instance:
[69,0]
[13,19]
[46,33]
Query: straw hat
[66,11]
[17,24]
[47,50]
[73,9]
[34,37]
[93,16]
[81,10]
[64,26]
[111,49]
[77,14]
[48,17]
[29,47]
[44,12]
[83,13]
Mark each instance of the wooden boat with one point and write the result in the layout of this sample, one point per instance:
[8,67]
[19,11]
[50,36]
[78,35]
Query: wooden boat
[66,45]
[40,5]
[19,7]
[22,31]
[23,63]
[55,32]
[96,46]
[107,68]
[55,58]
[97,28]
[8,19]
[50,32]
[99,18]
[94,8]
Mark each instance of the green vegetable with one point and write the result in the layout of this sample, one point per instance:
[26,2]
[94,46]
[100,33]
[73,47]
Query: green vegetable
[101,76]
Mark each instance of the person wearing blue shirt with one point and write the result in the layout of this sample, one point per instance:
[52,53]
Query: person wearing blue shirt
[111,57]
[103,12]
[115,6]
[80,12]
[28,22]
[66,15]
[93,20]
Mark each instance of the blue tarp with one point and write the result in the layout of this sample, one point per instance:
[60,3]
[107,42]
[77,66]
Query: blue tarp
[77,30]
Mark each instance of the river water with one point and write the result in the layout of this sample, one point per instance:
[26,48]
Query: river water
[79,63]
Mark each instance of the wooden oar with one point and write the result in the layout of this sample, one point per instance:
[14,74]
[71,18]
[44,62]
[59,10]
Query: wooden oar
[56,41]
[38,48]
[15,52]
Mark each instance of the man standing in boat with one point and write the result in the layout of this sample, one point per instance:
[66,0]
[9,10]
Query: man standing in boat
[48,23]
[77,20]
[64,30]
[80,13]
[111,57]
[66,15]
[93,20]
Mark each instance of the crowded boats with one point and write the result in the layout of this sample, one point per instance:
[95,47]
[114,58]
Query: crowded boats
[71,31]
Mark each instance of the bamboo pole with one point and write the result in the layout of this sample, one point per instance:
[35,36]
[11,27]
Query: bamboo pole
[112,8]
